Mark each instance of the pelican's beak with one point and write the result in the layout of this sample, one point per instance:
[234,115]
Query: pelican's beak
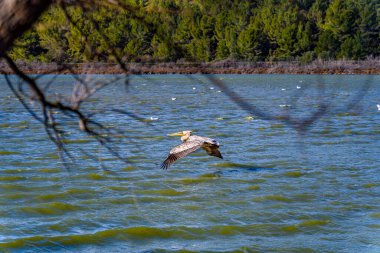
[176,134]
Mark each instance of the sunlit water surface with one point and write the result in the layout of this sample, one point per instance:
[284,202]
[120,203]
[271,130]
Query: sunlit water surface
[275,191]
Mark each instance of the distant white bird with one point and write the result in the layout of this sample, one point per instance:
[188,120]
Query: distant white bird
[211,88]
[174,99]
[219,91]
[378,107]
[153,118]
[194,88]
[298,87]
[284,105]
[283,89]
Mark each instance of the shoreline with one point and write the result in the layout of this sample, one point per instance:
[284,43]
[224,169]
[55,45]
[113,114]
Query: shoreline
[367,67]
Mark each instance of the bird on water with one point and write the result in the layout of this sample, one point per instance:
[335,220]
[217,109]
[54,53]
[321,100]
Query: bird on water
[191,143]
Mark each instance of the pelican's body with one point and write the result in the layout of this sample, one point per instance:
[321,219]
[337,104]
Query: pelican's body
[190,143]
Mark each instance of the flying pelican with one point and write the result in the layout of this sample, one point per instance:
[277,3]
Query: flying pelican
[190,143]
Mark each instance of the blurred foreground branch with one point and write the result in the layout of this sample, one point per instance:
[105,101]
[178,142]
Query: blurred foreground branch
[16,17]
[54,111]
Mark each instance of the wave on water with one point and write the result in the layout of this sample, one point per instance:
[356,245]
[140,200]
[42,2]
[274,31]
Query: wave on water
[143,233]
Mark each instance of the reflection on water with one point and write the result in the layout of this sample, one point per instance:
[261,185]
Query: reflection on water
[274,191]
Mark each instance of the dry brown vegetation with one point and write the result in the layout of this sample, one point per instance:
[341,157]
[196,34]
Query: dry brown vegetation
[369,66]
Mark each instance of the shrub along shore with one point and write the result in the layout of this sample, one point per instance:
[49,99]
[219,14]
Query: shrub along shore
[370,66]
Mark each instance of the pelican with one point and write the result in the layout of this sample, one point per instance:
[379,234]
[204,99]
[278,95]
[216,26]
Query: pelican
[190,143]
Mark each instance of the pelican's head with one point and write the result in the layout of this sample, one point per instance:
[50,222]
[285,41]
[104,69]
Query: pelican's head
[182,133]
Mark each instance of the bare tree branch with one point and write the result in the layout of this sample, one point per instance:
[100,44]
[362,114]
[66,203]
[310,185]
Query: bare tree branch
[16,16]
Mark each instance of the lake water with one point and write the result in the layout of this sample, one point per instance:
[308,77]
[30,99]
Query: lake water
[275,191]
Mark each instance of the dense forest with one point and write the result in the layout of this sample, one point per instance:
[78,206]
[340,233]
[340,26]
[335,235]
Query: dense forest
[204,31]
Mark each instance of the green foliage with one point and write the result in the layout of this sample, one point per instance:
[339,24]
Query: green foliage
[253,44]
[202,31]
[28,48]
[351,48]
[327,45]
[307,57]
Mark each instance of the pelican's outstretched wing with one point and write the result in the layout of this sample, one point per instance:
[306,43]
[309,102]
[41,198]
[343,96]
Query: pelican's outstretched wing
[212,150]
[180,151]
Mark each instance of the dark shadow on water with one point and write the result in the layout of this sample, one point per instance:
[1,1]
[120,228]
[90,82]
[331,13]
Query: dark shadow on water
[240,170]
[219,170]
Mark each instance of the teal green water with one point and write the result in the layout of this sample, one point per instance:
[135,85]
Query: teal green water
[275,191]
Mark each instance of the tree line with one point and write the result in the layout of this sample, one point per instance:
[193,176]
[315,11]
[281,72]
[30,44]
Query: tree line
[204,31]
